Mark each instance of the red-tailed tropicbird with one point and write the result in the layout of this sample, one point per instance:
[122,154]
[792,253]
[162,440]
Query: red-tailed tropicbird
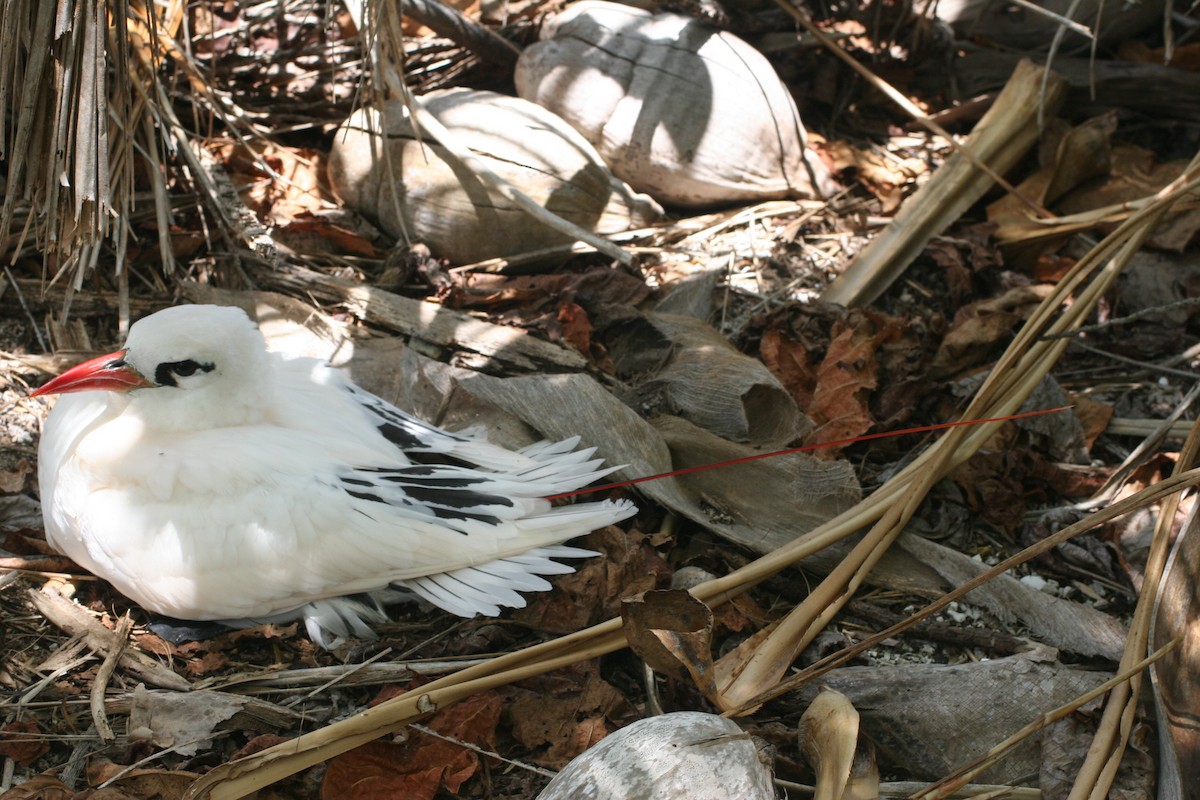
[207,478]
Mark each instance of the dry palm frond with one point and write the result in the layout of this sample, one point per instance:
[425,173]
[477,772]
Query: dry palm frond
[91,143]
[74,127]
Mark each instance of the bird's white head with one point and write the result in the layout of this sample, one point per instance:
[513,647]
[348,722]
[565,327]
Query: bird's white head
[185,366]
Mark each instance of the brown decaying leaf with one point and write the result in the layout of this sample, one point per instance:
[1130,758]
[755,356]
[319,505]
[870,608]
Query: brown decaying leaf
[846,378]
[418,768]
[849,370]
[1070,156]
[575,326]
[22,741]
[599,286]
[277,201]
[569,710]
[138,784]
[1136,173]
[980,330]
[790,362]
[628,566]
[336,238]
[881,176]
[672,632]
[41,787]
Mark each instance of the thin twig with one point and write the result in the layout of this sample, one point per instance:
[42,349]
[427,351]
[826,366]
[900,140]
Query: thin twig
[545,773]
[104,674]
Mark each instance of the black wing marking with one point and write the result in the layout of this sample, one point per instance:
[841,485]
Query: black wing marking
[406,432]
[448,493]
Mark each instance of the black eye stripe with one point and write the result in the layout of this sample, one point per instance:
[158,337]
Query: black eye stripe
[166,372]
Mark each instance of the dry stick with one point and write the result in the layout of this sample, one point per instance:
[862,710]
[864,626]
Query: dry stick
[744,673]
[947,786]
[1099,768]
[104,674]
[237,779]
[447,21]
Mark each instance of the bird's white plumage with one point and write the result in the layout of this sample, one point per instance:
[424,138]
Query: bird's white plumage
[251,486]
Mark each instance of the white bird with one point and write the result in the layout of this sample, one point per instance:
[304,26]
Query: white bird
[207,478]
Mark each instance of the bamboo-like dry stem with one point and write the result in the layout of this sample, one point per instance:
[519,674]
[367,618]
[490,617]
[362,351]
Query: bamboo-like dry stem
[1000,139]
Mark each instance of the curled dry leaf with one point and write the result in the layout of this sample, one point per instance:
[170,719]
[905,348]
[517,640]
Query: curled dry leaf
[412,191]
[688,113]
[761,505]
[981,330]
[591,594]
[1077,155]
[186,721]
[846,377]
[682,755]
[705,380]
[564,712]
[1137,173]
[829,739]
[137,784]
[884,176]
[672,632]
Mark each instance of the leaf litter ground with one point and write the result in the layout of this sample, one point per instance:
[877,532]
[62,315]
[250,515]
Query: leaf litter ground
[909,359]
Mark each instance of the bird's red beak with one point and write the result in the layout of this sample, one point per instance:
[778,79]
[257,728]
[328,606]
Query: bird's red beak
[107,373]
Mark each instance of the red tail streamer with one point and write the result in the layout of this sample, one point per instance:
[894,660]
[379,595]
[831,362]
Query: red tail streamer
[807,447]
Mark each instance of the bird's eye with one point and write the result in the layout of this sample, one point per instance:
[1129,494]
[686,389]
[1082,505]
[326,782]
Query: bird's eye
[166,373]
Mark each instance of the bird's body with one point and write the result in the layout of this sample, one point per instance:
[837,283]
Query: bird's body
[220,481]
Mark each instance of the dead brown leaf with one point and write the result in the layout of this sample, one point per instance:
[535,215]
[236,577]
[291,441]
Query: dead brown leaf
[886,178]
[321,235]
[423,765]
[628,566]
[575,327]
[1093,415]
[23,742]
[992,483]
[673,632]
[1070,157]
[569,710]
[790,362]
[981,329]
[1137,173]
[1183,56]
[278,183]
[41,787]
[534,293]
[846,377]
[138,784]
